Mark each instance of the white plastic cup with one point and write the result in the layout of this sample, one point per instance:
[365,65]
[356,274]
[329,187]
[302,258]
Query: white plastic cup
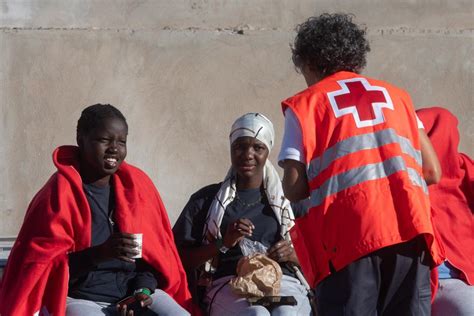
[138,238]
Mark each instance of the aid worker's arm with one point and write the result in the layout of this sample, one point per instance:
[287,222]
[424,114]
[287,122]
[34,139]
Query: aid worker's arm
[431,166]
[295,183]
[291,159]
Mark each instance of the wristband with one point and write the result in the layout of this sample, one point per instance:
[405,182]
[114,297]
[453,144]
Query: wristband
[143,290]
[220,246]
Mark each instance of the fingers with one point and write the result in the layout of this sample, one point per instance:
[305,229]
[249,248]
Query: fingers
[126,259]
[280,246]
[123,306]
[281,257]
[247,222]
[243,229]
[123,247]
[126,251]
[282,251]
[244,226]
[122,309]
[237,230]
[125,254]
[126,301]
[124,239]
[147,301]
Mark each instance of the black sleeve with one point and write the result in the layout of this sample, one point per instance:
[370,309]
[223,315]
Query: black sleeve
[183,232]
[189,226]
[145,277]
[81,263]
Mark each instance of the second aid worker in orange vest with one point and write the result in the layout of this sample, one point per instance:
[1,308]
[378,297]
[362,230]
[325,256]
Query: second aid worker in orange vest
[355,149]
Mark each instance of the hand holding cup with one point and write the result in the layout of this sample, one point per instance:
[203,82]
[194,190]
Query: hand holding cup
[122,246]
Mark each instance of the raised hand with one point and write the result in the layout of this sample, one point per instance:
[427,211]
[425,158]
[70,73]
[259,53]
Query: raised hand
[236,231]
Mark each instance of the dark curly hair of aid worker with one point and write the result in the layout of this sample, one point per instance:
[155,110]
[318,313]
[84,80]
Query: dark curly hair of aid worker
[330,43]
[92,116]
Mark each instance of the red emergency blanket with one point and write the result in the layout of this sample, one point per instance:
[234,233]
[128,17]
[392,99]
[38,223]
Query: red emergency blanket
[58,221]
[452,199]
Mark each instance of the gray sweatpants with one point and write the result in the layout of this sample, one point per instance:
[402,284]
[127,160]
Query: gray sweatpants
[227,303]
[454,297]
[163,305]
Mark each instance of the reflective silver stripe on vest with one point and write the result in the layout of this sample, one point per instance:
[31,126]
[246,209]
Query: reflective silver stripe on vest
[368,172]
[361,142]
[417,180]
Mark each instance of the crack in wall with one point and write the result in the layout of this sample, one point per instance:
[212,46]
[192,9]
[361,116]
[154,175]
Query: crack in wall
[248,29]
[420,31]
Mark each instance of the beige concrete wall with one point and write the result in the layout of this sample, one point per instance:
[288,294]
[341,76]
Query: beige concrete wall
[181,73]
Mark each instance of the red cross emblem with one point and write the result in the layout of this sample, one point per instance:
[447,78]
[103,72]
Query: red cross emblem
[359,98]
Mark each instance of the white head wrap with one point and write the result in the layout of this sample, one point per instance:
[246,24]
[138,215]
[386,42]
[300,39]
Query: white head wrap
[258,126]
[254,125]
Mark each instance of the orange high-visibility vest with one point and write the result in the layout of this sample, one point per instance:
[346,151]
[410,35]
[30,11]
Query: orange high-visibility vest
[364,169]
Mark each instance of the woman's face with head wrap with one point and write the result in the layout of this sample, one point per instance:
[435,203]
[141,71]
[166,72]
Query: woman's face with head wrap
[248,156]
[251,137]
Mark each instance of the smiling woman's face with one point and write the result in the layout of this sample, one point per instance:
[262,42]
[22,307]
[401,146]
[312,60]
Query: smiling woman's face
[102,150]
[248,156]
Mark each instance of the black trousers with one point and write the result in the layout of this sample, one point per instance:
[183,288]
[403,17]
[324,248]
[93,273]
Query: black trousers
[391,281]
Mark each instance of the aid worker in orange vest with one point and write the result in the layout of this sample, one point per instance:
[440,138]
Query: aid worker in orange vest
[354,147]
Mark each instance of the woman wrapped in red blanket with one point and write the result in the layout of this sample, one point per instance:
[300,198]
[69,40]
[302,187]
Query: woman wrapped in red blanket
[76,253]
[452,204]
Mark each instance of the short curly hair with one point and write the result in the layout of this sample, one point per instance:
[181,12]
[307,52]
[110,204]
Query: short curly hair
[330,43]
[92,117]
